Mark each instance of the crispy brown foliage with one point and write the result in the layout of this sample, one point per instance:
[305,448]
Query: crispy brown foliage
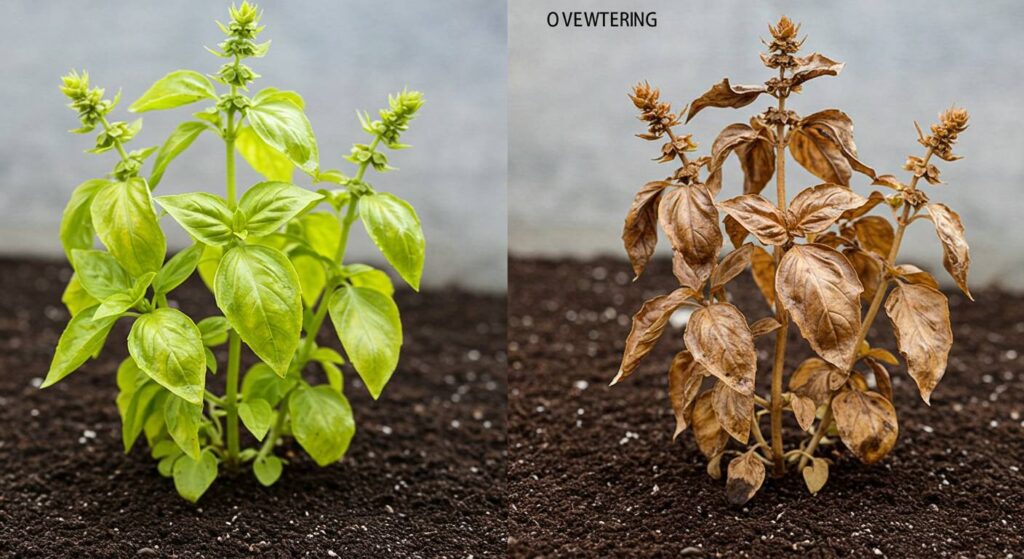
[830,267]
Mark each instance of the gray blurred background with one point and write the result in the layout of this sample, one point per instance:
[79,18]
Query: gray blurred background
[341,55]
[574,164]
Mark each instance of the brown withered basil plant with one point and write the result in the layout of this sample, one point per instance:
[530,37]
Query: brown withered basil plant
[820,259]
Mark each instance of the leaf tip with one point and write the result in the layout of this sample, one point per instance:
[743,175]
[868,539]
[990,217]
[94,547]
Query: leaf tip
[618,376]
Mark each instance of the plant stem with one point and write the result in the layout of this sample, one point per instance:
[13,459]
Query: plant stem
[346,226]
[117,141]
[234,341]
[275,432]
[782,334]
[823,426]
[873,307]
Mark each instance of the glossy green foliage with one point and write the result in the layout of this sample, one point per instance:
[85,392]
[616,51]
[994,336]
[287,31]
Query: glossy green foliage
[273,257]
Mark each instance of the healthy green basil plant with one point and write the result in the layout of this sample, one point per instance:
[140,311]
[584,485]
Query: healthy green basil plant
[274,259]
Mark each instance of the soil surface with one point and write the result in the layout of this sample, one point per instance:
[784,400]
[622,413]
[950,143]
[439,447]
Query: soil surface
[593,471]
[424,477]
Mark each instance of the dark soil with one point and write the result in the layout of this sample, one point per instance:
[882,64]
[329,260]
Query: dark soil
[424,477]
[593,471]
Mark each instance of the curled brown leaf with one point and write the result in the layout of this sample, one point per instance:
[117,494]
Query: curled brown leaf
[814,65]
[762,268]
[719,339]
[736,232]
[764,326]
[815,209]
[873,199]
[745,476]
[912,274]
[723,95]
[640,232]
[734,411]
[956,256]
[819,288]
[648,324]
[816,379]
[755,148]
[920,320]
[804,410]
[684,380]
[711,438]
[823,144]
[867,424]
[731,266]
[690,220]
[875,233]
[759,216]
[869,270]
[816,475]
[882,379]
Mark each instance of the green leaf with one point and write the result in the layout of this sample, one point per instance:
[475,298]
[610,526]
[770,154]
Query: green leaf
[183,421]
[361,275]
[127,225]
[269,94]
[164,448]
[327,355]
[269,205]
[76,230]
[284,127]
[211,360]
[166,464]
[322,231]
[76,298]
[256,415]
[99,273]
[82,338]
[312,277]
[395,228]
[322,422]
[118,303]
[267,469]
[166,344]
[265,160]
[193,477]
[214,330]
[129,377]
[262,383]
[370,330]
[141,404]
[258,291]
[174,90]
[177,269]
[209,263]
[205,216]
[176,143]
[334,377]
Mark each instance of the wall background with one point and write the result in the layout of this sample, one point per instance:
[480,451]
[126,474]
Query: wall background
[341,55]
[575,165]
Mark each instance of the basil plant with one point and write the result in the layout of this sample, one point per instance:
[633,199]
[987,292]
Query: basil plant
[273,257]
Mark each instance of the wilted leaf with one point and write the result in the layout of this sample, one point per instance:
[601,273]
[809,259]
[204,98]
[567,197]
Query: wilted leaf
[648,323]
[734,411]
[882,355]
[764,326]
[711,438]
[736,232]
[814,65]
[820,290]
[731,266]
[920,320]
[759,216]
[823,144]
[722,94]
[719,339]
[868,268]
[746,474]
[815,378]
[804,409]
[882,379]
[815,209]
[875,233]
[762,268]
[889,181]
[755,149]
[913,274]
[874,199]
[640,232]
[690,220]
[866,423]
[684,379]
[956,257]
[815,475]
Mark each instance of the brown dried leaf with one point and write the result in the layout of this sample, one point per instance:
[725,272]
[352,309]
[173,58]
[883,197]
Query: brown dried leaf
[719,339]
[766,325]
[816,379]
[819,288]
[920,320]
[830,239]
[823,144]
[873,199]
[736,232]
[883,355]
[734,411]
[804,409]
[913,274]
[754,146]
[759,216]
[728,140]
[867,424]
[723,95]
[731,266]
[684,379]
[746,474]
[715,466]
[815,209]
[875,233]
[690,220]
[882,379]
[648,324]
[868,268]
[711,438]
[814,65]
[956,256]
[640,232]
[889,181]
[816,475]
[762,268]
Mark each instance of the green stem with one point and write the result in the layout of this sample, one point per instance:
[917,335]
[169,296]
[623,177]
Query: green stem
[231,397]
[365,164]
[117,141]
[346,226]
[272,436]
